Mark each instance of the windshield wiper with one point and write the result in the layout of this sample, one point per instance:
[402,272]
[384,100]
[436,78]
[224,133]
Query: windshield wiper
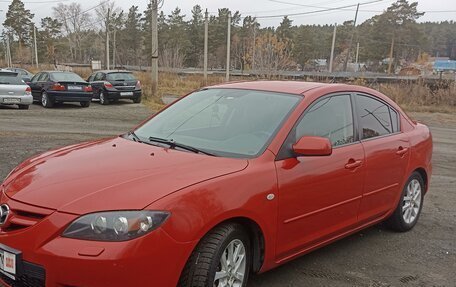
[135,137]
[172,144]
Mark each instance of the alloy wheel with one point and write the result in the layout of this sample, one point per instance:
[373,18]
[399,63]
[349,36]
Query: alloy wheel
[411,202]
[232,267]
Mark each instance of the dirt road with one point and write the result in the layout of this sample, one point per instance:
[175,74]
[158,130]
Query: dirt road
[426,256]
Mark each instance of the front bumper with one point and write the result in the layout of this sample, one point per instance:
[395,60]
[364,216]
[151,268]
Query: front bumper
[152,260]
[23,100]
[70,96]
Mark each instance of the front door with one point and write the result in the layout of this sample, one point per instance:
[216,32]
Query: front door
[319,196]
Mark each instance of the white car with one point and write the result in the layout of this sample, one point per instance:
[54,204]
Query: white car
[14,91]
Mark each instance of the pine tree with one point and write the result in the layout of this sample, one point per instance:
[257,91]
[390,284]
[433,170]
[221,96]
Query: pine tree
[19,22]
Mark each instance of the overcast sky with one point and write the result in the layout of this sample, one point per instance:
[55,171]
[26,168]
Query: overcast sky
[261,8]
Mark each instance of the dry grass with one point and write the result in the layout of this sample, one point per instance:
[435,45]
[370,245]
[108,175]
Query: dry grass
[412,97]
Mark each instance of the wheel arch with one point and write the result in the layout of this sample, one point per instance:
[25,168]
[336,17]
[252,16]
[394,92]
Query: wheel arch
[257,239]
[424,175]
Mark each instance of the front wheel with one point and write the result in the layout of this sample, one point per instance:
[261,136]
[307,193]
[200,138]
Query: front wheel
[103,99]
[23,107]
[137,100]
[85,104]
[222,258]
[409,208]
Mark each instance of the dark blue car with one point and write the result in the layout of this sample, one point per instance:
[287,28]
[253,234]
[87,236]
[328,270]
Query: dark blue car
[50,87]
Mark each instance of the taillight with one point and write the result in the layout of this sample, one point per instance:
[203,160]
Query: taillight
[108,85]
[28,91]
[138,85]
[58,87]
[88,89]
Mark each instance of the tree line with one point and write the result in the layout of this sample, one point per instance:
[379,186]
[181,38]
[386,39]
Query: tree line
[75,35]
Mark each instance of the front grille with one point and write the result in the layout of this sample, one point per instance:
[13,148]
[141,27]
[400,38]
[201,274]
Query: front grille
[32,276]
[23,216]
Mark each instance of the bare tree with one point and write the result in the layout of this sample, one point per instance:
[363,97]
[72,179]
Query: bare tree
[73,20]
[109,16]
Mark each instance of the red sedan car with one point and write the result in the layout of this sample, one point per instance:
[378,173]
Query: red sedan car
[229,180]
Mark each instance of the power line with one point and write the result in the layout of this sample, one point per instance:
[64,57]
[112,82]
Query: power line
[317,11]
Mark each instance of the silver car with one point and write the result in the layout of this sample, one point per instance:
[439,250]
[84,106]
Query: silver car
[14,91]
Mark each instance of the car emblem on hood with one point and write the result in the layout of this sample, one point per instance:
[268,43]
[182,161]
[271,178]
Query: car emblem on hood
[4,213]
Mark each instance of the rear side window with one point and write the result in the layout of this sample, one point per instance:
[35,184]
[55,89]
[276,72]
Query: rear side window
[374,117]
[98,76]
[331,118]
[43,77]
[395,121]
[35,78]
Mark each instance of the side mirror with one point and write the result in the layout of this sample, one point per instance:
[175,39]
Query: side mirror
[312,146]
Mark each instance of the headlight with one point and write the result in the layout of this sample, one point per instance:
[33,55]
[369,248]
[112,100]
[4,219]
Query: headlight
[115,226]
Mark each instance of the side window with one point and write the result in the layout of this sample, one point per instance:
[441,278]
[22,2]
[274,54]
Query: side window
[374,117]
[99,76]
[44,77]
[330,117]
[395,121]
[90,79]
[35,78]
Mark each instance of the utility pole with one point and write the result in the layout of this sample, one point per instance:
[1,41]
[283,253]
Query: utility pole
[228,48]
[390,60]
[8,50]
[351,39]
[206,35]
[154,28]
[331,60]
[357,56]
[36,48]
[107,40]
[254,45]
[114,50]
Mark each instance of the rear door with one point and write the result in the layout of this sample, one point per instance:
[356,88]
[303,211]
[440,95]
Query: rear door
[387,155]
[319,196]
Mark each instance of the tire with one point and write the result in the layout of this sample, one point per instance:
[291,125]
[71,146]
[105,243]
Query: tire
[408,211]
[24,107]
[46,101]
[85,104]
[137,100]
[103,99]
[206,260]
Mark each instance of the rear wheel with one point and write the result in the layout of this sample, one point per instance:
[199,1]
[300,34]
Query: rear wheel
[85,104]
[103,99]
[46,101]
[23,107]
[409,208]
[222,258]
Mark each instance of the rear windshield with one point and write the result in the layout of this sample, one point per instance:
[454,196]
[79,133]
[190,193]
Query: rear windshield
[120,77]
[10,79]
[66,77]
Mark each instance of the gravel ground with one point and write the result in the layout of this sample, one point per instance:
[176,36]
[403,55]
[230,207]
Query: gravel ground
[426,256]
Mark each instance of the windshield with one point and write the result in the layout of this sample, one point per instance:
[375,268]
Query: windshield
[66,77]
[120,77]
[223,122]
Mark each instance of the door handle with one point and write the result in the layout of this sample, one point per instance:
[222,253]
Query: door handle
[401,151]
[352,164]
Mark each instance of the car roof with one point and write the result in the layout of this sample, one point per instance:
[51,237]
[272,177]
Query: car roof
[289,87]
[112,71]
[56,71]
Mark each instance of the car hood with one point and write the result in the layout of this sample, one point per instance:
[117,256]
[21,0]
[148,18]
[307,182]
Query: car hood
[112,174]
